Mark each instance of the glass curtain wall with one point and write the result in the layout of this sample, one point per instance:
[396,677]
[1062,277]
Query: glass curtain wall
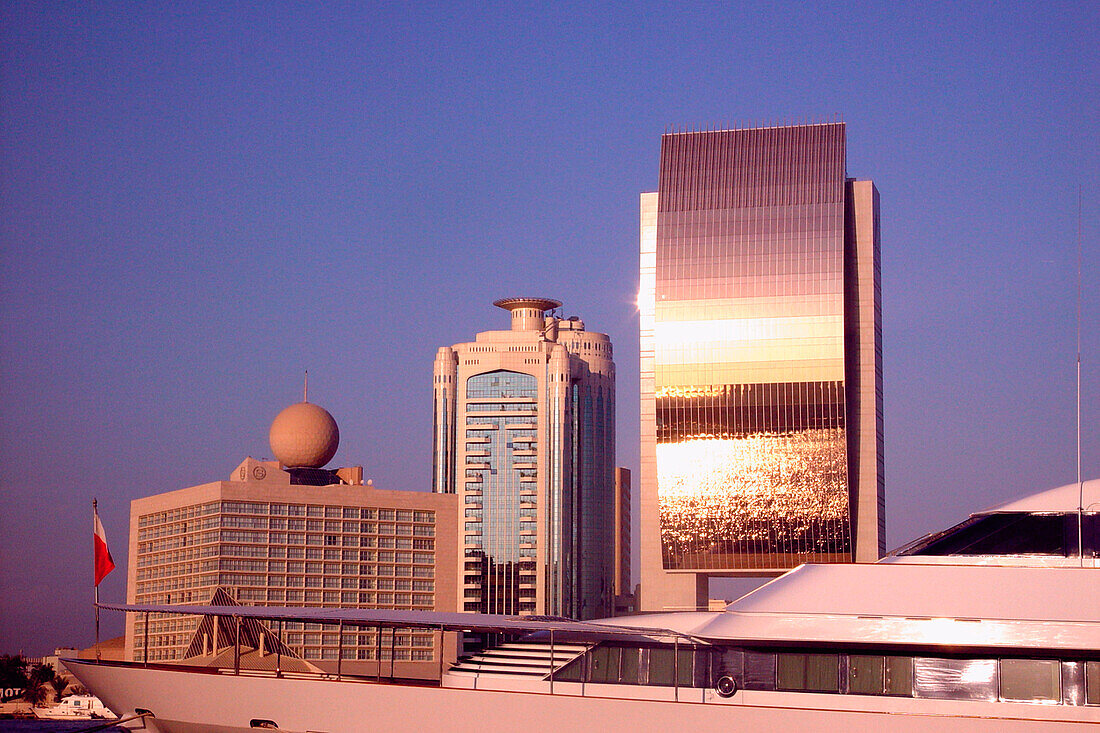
[593,513]
[749,349]
[501,460]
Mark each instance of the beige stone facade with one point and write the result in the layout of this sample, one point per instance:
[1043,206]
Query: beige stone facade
[268,541]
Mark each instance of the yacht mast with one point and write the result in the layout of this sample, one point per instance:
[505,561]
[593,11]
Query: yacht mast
[1080,483]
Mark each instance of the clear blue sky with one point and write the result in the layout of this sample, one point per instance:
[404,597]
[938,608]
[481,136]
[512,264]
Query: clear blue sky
[199,201]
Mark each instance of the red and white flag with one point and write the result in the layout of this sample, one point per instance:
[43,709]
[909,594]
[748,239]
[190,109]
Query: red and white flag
[104,563]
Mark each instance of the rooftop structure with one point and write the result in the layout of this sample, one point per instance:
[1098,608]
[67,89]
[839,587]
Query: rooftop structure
[292,532]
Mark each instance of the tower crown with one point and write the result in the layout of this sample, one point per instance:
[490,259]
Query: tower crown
[528,314]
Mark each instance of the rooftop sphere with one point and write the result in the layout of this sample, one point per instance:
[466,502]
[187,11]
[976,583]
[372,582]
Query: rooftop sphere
[304,435]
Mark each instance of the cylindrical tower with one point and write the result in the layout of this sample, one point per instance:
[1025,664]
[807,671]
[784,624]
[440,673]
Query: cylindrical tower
[528,314]
[444,385]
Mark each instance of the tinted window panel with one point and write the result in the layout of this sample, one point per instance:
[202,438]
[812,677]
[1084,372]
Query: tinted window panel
[823,672]
[811,672]
[572,672]
[1030,679]
[759,671]
[899,676]
[1092,683]
[790,671]
[1000,534]
[865,675]
[1091,535]
[955,679]
[660,666]
[629,664]
[605,665]
[684,671]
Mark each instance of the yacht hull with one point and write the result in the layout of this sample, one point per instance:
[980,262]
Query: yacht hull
[189,701]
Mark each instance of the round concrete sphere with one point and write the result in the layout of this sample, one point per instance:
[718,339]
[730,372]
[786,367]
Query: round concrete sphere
[304,436]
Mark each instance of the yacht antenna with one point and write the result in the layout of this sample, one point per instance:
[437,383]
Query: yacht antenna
[1080,483]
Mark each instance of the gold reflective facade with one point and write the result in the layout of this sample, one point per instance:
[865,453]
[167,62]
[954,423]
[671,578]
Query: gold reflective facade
[746,296]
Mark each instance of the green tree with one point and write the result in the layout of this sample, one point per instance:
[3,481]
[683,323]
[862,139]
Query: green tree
[39,679]
[13,672]
[59,683]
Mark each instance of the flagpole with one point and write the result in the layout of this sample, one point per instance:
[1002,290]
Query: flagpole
[95,514]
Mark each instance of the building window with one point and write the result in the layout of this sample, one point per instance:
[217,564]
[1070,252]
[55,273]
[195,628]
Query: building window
[501,384]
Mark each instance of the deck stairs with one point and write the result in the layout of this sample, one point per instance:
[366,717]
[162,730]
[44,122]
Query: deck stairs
[521,658]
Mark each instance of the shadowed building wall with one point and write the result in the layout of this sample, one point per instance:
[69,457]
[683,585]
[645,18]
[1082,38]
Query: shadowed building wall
[761,360]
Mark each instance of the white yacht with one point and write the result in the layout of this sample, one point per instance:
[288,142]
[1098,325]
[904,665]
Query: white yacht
[992,625]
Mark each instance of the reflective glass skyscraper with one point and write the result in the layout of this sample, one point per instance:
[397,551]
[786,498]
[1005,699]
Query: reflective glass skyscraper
[761,360]
[525,433]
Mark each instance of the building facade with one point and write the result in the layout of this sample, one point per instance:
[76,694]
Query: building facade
[297,536]
[761,360]
[624,592]
[524,435]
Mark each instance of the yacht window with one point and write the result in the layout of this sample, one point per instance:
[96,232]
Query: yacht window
[759,670]
[955,679]
[615,665]
[629,665]
[810,672]
[1000,534]
[877,675]
[665,665]
[1031,680]
[1092,683]
[685,670]
[604,665]
[1090,535]
[899,676]
[661,667]
[865,675]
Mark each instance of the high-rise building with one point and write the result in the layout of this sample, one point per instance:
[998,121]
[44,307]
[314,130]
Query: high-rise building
[624,593]
[761,369]
[524,433]
[290,532]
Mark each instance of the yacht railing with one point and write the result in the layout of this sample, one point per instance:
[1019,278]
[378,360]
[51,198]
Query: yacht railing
[380,620]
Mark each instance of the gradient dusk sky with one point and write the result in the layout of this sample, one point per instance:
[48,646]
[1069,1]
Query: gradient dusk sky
[199,201]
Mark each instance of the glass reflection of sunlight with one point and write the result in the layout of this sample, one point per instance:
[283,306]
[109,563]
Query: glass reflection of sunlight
[756,501]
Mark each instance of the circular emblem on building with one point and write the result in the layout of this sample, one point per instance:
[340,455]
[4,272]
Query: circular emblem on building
[259,473]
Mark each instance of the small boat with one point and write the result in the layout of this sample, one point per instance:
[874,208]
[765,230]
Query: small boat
[76,707]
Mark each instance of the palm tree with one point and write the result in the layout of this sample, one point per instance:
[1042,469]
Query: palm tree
[35,693]
[13,671]
[40,676]
[59,683]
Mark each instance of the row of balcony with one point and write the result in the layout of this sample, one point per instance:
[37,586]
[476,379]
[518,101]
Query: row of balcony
[477,479]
